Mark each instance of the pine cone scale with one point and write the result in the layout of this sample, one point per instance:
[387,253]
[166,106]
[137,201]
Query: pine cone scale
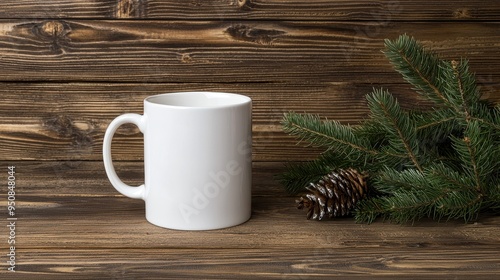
[334,195]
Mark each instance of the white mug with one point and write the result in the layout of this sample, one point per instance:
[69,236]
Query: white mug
[197,159]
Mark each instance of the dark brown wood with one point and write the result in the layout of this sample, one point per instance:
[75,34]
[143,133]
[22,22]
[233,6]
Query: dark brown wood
[72,224]
[80,113]
[68,67]
[253,9]
[67,121]
[223,52]
[263,263]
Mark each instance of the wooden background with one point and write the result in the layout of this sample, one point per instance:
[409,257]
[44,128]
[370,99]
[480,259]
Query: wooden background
[67,68]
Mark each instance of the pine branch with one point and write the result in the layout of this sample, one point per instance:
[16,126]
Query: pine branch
[439,120]
[441,163]
[448,178]
[370,209]
[419,67]
[401,207]
[476,147]
[494,126]
[372,131]
[433,130]
[459,205]
[436,122]
[385,109]
[494,193]
[462,200]
[329,134]
[490,118]
[466,83]
[297,176]
[406,205]
[410,205]
[390,180]
[459,87]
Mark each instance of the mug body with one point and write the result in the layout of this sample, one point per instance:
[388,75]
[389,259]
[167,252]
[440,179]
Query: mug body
[197,160]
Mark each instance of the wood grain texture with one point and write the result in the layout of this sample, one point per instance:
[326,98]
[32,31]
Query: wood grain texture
[73,225]
[262,263]
[68,67]
[253,9]
[227,52]
[68,120]
[79,114]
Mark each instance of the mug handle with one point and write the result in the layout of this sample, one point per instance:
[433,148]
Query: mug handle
[139,121]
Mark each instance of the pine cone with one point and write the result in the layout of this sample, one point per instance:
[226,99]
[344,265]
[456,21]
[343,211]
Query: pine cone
[334,194]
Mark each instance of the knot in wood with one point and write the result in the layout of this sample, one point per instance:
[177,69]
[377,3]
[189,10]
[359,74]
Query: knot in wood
[65,127]
[53,32]
[54,29]
[255,35]
[462,13]
[186,58]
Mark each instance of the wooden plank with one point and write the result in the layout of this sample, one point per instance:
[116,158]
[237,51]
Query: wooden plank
[253,9]
[87,179]
[72,224]
[67,121]
[227,52]
[103,217]
[67,68]
[81,189]
[316,262]
[74,126]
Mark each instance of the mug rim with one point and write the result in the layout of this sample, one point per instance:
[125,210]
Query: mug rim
[235,99]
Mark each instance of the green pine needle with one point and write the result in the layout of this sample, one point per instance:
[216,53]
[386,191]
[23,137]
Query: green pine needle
[443,163]
[330,134]
[418,66]
[479,157]
[298,175]
[459,86]
[400,128]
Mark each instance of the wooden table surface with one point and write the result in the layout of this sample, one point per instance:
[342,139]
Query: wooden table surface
[72,225]
[68,67]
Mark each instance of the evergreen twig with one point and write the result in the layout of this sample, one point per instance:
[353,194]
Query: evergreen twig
[440,163]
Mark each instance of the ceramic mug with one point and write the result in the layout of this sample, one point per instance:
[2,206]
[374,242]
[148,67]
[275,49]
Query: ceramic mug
[197,159]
